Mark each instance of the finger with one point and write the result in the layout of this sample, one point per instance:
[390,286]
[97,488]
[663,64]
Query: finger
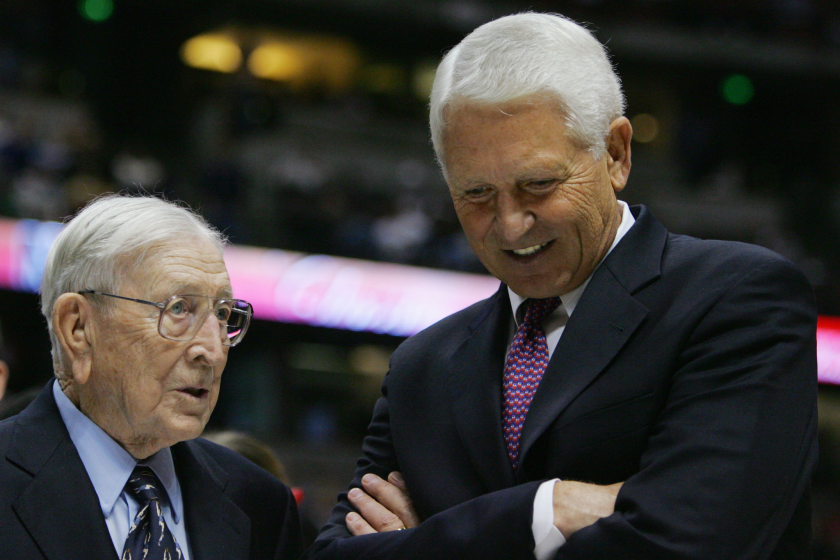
[375,514]
[357,525]
[393,498]
[397,480]
[412,519]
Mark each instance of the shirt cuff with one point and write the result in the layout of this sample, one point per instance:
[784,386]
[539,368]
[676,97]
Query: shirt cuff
[547,537]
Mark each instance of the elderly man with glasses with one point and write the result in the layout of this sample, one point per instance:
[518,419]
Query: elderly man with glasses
[104,463]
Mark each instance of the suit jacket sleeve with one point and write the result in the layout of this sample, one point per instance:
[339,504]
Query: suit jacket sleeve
[495,525]
[730,458]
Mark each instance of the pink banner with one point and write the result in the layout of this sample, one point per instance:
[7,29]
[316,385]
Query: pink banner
[329,291]
[828,349]
[350,294]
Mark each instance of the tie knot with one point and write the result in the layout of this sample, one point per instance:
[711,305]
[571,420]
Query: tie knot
[539,309]
[143,484]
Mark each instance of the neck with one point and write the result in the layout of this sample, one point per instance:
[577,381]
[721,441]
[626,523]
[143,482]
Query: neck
[137,446]
[69,389]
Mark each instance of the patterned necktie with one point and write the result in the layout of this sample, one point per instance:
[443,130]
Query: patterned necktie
[148,538]
[524,368]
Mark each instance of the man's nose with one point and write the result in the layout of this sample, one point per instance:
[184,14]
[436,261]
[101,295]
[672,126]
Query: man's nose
[514,219]
[207,344]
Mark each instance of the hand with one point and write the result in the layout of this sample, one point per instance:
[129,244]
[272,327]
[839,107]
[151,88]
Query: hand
[383,505]
[578,505]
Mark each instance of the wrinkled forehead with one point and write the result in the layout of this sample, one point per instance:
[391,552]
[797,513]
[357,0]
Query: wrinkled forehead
[466,117]
[192,265]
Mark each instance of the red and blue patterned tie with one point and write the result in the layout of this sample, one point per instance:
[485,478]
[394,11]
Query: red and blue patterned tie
[524,368]
[148,538]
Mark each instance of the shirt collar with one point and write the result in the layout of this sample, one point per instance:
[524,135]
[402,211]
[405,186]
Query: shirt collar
[109,465]
[571,299]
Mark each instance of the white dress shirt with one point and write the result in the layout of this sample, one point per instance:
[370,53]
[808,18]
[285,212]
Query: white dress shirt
[109,465]
[547,537]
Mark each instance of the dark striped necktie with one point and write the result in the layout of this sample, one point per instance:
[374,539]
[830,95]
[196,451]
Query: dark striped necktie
[148,538]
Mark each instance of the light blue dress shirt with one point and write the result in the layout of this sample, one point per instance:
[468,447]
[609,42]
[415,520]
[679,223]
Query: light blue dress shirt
[109,465]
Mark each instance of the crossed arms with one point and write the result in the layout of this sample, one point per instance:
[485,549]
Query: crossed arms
[722,472]
[385,505]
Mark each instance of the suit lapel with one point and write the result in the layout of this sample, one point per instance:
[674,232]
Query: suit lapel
[604,320]
[216,527]
[59,507]
[476,389]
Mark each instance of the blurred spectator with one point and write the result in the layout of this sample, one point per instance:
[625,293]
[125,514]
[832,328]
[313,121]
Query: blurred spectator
[254,450]
[262,455]
[401,235]
[36,194]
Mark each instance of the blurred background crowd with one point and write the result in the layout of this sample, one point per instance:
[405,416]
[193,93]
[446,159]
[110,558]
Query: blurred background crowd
[302,125]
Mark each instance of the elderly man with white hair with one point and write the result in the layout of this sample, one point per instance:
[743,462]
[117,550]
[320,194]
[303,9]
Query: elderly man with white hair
[104,463]
[627,393]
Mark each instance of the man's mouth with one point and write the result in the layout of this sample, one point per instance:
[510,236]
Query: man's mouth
[528,251]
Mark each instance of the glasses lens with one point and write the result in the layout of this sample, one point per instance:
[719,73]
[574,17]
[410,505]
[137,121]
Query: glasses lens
[184,315]
[238,320]
[178,320]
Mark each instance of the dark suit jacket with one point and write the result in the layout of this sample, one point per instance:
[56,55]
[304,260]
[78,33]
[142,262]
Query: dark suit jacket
[49,508]
[688,370]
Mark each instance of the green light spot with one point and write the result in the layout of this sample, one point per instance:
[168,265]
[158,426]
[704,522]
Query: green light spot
[96,10]
[737,89]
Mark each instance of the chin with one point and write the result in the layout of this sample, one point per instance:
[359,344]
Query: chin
[186,429]
[535,290]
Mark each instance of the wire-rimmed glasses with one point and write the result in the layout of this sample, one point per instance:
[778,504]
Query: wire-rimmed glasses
[181,316]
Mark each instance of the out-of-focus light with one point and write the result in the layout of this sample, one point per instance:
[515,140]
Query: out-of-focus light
[737,89]
[217,52]
[276,61]
[422,80]
[96,10]
[369,360]
[645,128]
[383,78]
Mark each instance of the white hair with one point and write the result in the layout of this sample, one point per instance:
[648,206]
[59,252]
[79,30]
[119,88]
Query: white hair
[108,240]
[525,55]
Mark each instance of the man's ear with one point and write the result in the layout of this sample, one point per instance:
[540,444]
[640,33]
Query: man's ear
[72,322]
[618,152]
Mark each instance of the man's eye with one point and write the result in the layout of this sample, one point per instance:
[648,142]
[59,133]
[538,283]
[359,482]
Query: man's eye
[542,184]
[179,307]
[222,313]
[477,192]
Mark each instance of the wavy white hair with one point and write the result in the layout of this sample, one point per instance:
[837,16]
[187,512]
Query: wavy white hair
[531,54]
[110,239]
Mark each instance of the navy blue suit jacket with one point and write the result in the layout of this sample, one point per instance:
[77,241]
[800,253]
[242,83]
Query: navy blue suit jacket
[49,509]
[688,370]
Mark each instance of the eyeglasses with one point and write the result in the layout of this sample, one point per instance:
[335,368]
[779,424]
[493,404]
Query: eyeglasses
[182,316]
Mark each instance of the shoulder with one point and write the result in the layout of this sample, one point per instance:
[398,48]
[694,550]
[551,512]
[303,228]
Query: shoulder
[727,263]
[7,429]
[447,334]
[710,252]
[649,252]
[267,503]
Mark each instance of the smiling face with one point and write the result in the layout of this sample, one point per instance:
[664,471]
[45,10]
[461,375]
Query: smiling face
[539,211]
[145,391]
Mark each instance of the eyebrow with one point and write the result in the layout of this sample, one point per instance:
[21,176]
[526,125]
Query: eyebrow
[192,289]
